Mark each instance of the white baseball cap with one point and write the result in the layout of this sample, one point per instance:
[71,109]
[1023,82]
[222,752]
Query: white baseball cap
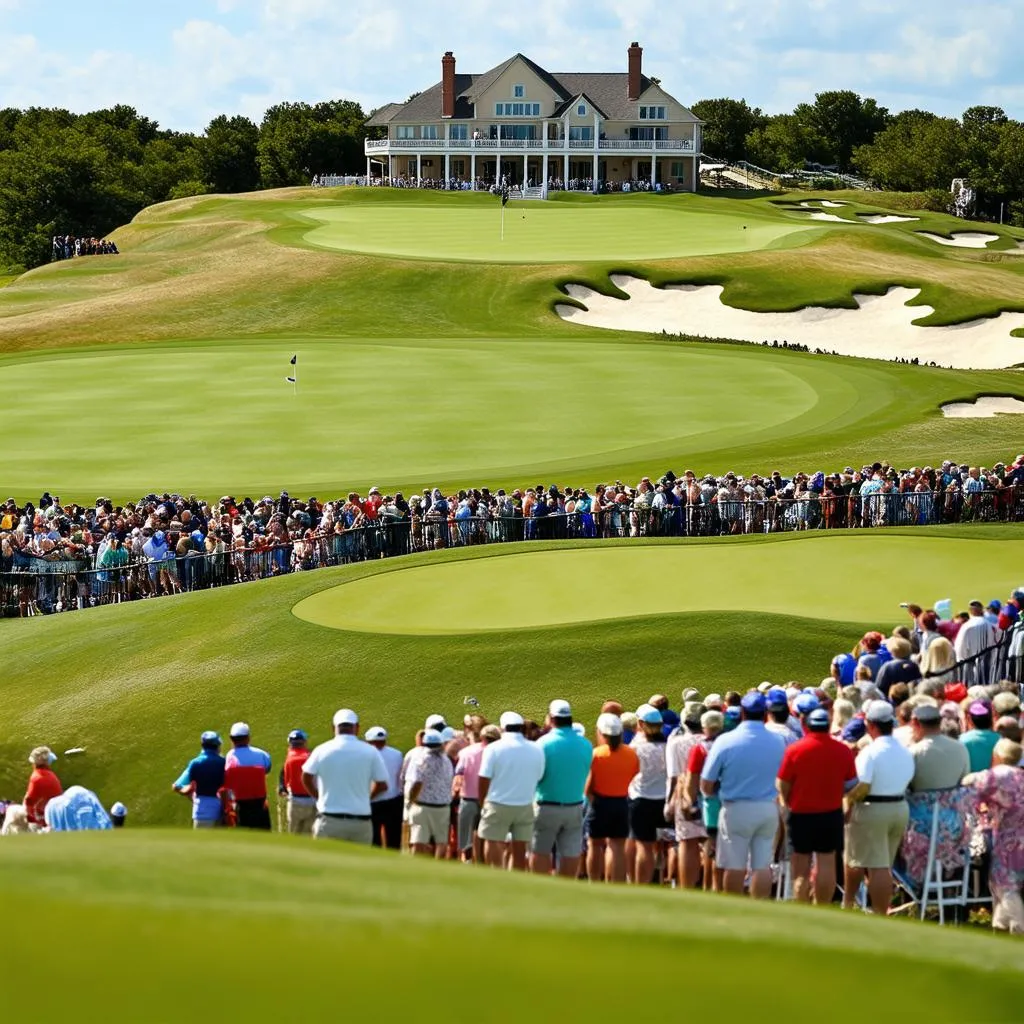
[579,728]
[878,711]
[512,718]
[432,738]
[345,716]
[239,729]
[118,810]
[435,722]
[559,709]
[609,724]
[375,733]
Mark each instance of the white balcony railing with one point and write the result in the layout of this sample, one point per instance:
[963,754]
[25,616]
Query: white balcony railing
[531,145]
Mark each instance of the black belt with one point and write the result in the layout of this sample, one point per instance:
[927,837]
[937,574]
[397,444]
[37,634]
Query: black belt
[884,799]
[346,817]
[557,803]
[422,804]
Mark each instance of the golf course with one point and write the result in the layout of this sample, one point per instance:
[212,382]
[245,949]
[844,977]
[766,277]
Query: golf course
[431,352]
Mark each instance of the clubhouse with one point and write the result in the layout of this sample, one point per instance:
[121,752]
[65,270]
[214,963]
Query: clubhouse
[527,125]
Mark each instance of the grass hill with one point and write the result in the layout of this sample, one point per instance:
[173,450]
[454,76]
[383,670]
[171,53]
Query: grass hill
[160,927]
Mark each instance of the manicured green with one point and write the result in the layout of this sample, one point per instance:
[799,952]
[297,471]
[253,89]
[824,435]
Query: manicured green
[551,232]
[136,684]
[431,598]
[305,929]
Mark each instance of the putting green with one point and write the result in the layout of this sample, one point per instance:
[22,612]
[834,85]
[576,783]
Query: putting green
[210,418]
[845,578]
[545,232]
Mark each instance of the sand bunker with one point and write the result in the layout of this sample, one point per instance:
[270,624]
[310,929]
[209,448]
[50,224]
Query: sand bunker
[983,408]
[880,328]
[885,218]
[828,216]
[962,239]
[810,204]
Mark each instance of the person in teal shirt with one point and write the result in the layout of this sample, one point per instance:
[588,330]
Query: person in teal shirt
[558,825]
[980,740]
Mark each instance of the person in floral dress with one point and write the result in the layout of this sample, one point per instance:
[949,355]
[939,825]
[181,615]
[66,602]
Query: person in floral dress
[1000,792]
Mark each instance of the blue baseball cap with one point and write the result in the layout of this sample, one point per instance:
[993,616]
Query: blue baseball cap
[210,739]
[649,714]
[297,736]
[776,697]
[854,730]
[806,703]
[753,701]
[817,720]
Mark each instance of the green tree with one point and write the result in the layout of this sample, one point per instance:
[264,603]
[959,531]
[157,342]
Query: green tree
[917,152]
[785,143]
[298,140]
[727,123]
[843,121]
[229,155]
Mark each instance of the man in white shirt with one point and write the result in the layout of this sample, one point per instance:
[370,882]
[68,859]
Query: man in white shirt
[344,774]
[876,808]
[509,773]
[386,809]
[974,636]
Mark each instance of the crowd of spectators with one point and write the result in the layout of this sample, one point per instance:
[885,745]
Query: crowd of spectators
[824,793]
[58,556]
[66,247]
[488,184]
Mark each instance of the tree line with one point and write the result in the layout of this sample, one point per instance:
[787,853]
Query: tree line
[84,174]
[913,151]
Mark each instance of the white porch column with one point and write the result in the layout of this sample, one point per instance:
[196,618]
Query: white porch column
[447,157]
[654,165]
[419,168]
[594,186]
[472,167]
[544,172]
[565,176]
[367,170]
[526,167]
[497,167]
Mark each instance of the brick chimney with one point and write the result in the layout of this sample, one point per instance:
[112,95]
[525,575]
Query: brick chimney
[448,84]
[636,61]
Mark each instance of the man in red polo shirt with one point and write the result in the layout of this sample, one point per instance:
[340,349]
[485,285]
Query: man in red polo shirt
[814,775]
[301,806]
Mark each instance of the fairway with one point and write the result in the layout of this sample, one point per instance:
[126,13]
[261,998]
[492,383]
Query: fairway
[554,232]
[600,583]
[129,906]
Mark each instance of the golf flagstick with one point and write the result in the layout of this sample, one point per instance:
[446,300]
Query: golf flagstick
[294,378]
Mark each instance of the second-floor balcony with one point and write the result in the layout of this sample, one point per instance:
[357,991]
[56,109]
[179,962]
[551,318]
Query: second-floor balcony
[533,145]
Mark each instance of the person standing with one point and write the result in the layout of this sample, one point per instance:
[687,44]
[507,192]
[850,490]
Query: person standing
[509,772]
[43,785]
[203,780]
[741,769]
[814,776]
[691,834]
[876,809]
[118,813]
[344,774]
[612,769]
[428,796]
[647,793]
[467,787]
[245,777]
[558,825]
[301,812]
[981,739]
[974,637]
[386,808]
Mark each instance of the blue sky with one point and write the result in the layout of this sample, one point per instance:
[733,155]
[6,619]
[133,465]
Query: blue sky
[186,61]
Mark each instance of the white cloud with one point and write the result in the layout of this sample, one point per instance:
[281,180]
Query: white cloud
[228,56]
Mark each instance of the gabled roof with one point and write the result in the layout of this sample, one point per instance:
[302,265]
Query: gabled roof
[561,109]
[605,90]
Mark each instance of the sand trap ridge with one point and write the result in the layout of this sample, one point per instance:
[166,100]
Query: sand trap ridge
[983,408]
[962,239]
[884,218]
[881,327]
[828,216]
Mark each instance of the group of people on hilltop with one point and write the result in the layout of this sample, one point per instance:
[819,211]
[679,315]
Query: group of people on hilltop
[178,543]
[826,791]
[66,247]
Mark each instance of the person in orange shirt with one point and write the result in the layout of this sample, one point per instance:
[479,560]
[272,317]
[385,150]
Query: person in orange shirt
[301,806]
[607,788]
[43,785]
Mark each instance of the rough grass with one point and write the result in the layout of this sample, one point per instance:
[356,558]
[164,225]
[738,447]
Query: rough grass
[121,911]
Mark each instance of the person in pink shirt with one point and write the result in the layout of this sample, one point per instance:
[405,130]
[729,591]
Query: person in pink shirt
[466,787]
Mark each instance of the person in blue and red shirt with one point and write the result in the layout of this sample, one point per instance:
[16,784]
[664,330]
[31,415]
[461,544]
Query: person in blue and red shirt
[301,806]
[245,777]
[202,780]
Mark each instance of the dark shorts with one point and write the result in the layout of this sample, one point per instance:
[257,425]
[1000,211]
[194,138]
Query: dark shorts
[253,814]
[815,833]
[645,818]
[608,818]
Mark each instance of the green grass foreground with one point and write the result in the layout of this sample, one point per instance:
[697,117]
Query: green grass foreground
[133,919]
[136,684]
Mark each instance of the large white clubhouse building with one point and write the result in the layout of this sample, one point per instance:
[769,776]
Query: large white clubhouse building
[532,126]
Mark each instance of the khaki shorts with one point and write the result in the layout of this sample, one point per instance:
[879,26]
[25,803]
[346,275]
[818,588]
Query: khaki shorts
[428,826]
[874,834]
[301,817]
[469,822]
[499,821]
[746,834]
[352,830]
[558,828]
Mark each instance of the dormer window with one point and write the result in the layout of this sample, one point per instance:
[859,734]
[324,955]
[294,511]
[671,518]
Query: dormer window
[581,110]
[652,113]
[518,91]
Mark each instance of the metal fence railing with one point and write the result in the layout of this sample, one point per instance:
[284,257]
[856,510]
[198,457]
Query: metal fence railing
[31,585]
